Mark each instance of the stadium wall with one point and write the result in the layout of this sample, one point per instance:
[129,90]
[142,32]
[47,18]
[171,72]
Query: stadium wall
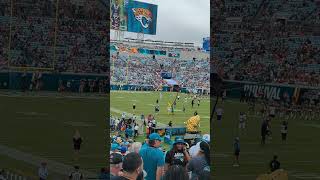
[143,87]
[50,81]
[270,91]
[150,88]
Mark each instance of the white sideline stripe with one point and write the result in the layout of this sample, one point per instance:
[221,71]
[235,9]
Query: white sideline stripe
[56,167]
[130,92]
[311,125]
[303,175]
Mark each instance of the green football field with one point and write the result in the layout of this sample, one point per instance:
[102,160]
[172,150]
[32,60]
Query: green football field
[42,127]
[299,155]
[122,101]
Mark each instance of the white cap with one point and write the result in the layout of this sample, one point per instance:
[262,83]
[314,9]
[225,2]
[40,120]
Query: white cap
[206,137]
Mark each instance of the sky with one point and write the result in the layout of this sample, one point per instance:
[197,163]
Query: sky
[180,20]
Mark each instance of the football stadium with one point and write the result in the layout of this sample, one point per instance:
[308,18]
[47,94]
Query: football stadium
[160,95]
[266,55]
[53,87]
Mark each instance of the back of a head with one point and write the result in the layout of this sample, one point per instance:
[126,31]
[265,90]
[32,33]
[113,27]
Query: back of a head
[205,149]
[131,162]
[275,157]
[176,172]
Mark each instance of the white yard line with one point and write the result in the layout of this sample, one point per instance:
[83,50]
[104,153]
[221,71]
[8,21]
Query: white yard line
[53,166]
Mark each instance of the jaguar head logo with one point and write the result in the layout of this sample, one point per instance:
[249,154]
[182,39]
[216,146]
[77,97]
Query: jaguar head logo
[144,16]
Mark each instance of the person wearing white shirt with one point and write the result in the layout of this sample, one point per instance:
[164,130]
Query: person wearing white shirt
[272,111]
[242,120]
[76,174]
[219,112]
[117,121]
[136,130]
[2,175]
[123,116]
[194,150]
[43,171]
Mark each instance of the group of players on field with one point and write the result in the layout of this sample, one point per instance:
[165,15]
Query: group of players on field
[268,110]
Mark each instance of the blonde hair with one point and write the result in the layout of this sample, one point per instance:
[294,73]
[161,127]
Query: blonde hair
[135,147]
[77,134]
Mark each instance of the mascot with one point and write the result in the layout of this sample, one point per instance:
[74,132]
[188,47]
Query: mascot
[193,124]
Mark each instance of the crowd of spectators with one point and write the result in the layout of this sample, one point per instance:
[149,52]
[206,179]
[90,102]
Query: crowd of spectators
[145,70]
[67,36]
[268,41]
[182,160]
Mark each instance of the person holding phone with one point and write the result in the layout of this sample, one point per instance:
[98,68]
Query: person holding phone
[178,155]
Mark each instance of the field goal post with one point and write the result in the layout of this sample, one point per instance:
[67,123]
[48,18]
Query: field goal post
[118,35]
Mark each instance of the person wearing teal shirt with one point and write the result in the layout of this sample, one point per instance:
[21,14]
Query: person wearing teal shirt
[153,158]
[129,132]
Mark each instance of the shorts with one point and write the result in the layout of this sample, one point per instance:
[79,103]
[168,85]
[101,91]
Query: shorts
[272,115]
[236,153]
[219,117]
[76,146]
[242,125]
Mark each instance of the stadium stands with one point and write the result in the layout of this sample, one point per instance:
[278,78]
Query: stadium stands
[191,69]
[268,41]
[67,37]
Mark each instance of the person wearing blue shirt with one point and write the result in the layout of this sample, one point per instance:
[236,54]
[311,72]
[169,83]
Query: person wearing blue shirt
[129,132]
[153,158]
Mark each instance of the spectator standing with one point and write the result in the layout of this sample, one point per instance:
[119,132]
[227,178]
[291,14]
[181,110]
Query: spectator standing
[2,175]
[153,158]
[132,168]
[284,130]
[201,162]
[77,141]
[176,172]
[76,174]
[43,171]
[136,130]
[178,155]
[274,164]
[115,164]
[236,147]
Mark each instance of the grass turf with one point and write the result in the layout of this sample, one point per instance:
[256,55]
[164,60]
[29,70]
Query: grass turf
[299,155]
[44,127]
[122,101]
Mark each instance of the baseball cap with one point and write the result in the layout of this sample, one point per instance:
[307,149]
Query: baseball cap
[179,139]
[114,146]
[115,158]
[206,137]
[123,149]
[155,136]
